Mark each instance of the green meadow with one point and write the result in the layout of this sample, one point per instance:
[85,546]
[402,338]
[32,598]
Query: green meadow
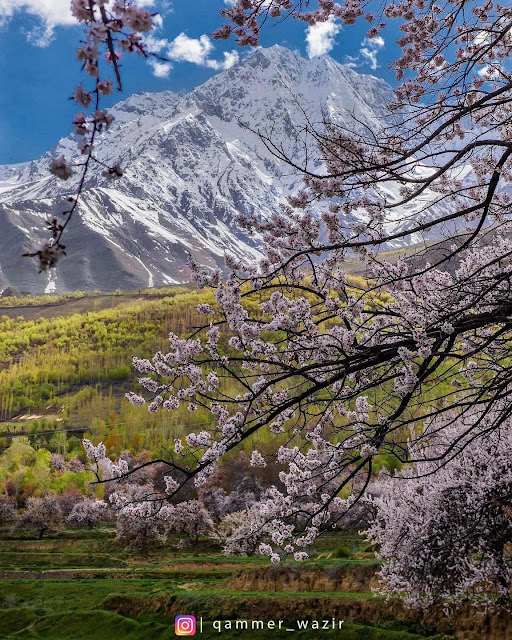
[84,585]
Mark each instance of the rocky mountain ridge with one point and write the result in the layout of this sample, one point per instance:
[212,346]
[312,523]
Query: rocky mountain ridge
[190,168]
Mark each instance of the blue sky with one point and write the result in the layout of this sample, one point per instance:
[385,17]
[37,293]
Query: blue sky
[38,68]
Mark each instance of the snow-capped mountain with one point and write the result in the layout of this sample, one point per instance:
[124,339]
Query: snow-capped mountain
[190,169]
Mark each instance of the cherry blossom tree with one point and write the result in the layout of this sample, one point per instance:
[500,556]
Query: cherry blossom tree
[88,513]
[75,464]
[241,532]
[342,373]
[219,502]
[58,462]
[143,520]
[445,534]
[142,526]
[42,515]
[191,520]
[216,500]
[68,500]
[8,510]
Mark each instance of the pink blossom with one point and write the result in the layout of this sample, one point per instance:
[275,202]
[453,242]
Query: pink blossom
[59,167]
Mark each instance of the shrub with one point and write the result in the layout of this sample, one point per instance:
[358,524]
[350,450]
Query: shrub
[342,551]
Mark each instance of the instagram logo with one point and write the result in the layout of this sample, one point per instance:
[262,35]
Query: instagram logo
[185,625]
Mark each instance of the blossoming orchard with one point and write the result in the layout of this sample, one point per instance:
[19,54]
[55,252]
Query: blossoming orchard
[411,363]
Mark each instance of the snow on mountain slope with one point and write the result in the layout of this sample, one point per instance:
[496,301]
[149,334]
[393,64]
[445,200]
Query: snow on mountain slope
[190,168]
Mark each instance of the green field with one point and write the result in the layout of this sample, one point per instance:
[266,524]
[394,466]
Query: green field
[84,585]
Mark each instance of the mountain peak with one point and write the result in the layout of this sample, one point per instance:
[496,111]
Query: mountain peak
[190,170]
[275,52]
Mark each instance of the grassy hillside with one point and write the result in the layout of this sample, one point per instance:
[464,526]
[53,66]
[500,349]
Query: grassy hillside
[65,365]
[66,362]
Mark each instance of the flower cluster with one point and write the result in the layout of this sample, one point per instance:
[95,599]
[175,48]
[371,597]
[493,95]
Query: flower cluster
[443,532]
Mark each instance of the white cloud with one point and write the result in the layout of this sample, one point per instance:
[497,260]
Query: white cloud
[378,41]
[155,45]
[185,49]
[55,12]
[230,58]
[160,69]
[368,53]
[488,72]
[320,37]
[370,56]
[50,13]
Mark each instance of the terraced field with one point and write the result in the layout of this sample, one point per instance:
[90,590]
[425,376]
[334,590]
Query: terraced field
[83,586]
